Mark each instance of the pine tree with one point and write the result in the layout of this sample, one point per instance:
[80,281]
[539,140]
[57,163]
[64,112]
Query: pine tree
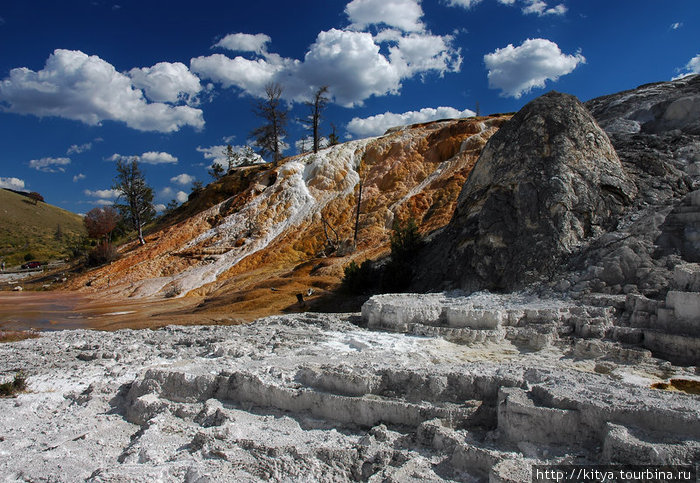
[333,137]
[137,207]
[216,171]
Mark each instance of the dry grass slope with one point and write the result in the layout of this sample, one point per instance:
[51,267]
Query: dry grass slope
[26,228]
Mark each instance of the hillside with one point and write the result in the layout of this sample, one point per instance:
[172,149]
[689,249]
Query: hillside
[28,228]
[273,232]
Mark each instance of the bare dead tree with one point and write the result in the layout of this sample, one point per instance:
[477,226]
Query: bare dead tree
[326,226]
[269,137]
[316,106]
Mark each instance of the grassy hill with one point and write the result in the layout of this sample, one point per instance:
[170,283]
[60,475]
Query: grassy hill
[29,229]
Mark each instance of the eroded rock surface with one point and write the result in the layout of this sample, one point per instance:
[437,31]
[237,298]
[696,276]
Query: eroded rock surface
[546,182]
[316,397]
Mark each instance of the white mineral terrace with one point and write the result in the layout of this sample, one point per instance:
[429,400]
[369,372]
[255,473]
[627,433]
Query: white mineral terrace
[317,397]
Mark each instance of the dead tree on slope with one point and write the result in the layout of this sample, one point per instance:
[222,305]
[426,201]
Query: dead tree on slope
[269,137]
[316,106]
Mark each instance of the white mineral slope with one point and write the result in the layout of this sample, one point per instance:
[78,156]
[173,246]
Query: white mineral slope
[304,186]
[314,397]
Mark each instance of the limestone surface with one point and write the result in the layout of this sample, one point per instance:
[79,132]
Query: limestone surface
[317,397]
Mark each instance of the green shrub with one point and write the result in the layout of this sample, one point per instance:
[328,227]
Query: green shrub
[405,244]
[19,384]
[359,279]
[29,257]
[103,253]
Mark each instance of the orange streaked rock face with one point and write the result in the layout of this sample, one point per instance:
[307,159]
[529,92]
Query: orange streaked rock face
[289,228]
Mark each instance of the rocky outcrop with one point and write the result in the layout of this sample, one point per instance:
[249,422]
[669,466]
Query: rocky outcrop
[544,185]
[652,109]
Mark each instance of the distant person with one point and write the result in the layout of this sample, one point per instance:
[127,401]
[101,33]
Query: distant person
[3,265]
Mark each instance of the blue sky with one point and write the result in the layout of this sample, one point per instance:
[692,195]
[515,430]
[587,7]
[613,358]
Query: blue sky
[83,81]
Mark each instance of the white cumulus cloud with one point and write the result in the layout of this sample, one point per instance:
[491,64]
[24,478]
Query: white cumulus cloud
[106,193]
[403,14]
[78,177]
[49,165]
[160,207]
[248,75]
[244,42]
[182,179]
[355,64]
[692,67]
[153,157]
[518,70]
[215,154]
[82,87]
[181,196]
[377,125]
[150,157]
[12,183]
[167,82]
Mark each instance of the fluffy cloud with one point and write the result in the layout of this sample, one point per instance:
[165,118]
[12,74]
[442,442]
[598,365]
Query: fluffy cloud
[77,149]
[78,177]
[49,165]
[403,14]
[215,154]
[153,157]
[167,82]
[244,42]
[165,192]
[377,125]
[248,75]
[107,193]
[160,207]
[181,196]
[12,183]
[517,70]
[85,88]
[150,157]
[182,179]
[693,65]
[351,63]
[355,64]
[106,196]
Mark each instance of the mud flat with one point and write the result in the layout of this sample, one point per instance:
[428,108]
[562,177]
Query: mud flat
[320,397]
